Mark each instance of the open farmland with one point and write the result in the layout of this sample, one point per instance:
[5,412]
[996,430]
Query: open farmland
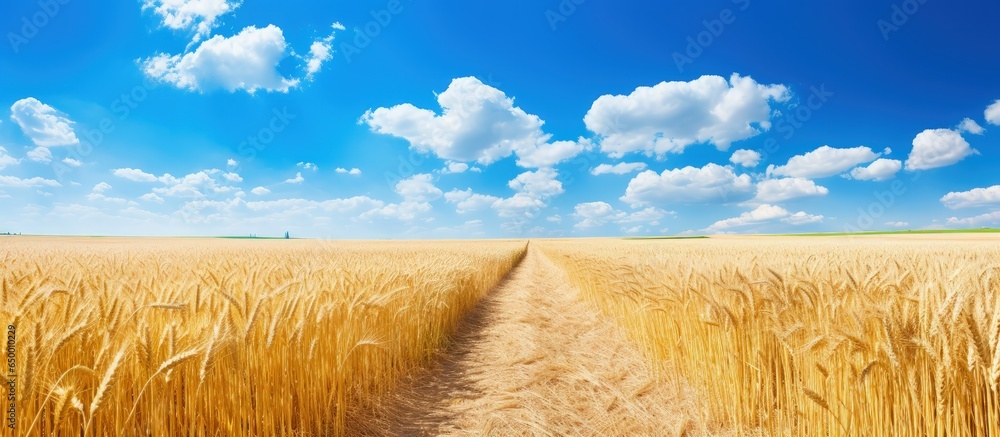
[216,337]
[874,335]
[891,335]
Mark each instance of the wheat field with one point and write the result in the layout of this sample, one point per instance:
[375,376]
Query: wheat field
[719,336]
[214,337]
[799,336]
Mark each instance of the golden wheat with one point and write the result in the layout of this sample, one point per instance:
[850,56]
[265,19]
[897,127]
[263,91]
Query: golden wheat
[878,337]
[219,337]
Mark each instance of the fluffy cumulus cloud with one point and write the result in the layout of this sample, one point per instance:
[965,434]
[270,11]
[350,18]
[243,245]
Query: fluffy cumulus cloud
[620,168]
[101,187]
[195,185]
[824,162]
[352,172]
[778,190]
[198,16]
[802,218]
[880,170]
[668,117]
[935,148]
[418,188]
[46,126]
[973,197]
[246,61]
[992,218]
[477,123]
[452,167]
[35,182]
[320,51]
[298,179]
[710,183]
[134,174]
[260,191]
[6,160]
[762,214]
[969,125]
[597,214]
[541,184]
[40,154]
[466,201]
[992,113]
[307,166]
[746,158]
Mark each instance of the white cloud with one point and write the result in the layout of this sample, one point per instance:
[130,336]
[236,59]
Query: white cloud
[151,197]
[46,126]
[232,177]
[746,158]
[247,61]
[477,123]
[298,179]
[935,148]
[546,154]
[134,174]
[72,162]
[777,190]
[419,188]
[969,125]
[973,197]
[260,191]
[7,160]
[467,201]
[452,167]
[101,197]
[762,214]
[880,170]
[404,211]
[620,168]
[670,116]
[710,183]
[824,162]
[16,182]
[991,218]
[199,16]
[540,184]
[307,166]
[195,185]
[352,172]
[40,154]
[802,218]
[596,214]
[101,187]
[898,224]
[232,163]
[992,113]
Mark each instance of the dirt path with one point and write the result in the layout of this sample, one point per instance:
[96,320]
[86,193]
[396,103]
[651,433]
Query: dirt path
[534,359]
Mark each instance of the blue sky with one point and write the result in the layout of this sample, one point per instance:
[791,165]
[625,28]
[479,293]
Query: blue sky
[402,119]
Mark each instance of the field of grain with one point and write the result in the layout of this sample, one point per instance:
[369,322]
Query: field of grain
[839,336]
[216,337]
[812,336]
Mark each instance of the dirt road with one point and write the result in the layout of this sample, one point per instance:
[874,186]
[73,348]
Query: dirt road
[533,359]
